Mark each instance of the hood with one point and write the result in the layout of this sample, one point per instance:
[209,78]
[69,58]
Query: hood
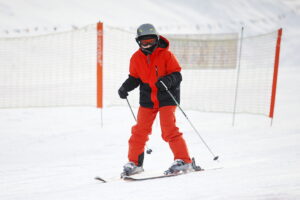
[163,42]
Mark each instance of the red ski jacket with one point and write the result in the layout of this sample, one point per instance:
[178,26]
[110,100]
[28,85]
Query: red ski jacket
[145,70]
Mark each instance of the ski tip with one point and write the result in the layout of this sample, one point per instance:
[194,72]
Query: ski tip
[100,179]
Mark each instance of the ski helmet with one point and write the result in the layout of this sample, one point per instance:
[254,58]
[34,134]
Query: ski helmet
[146,30]
[147,38]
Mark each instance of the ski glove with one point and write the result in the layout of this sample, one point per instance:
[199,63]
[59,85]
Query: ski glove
[123,93]
[170,80]
[160,86]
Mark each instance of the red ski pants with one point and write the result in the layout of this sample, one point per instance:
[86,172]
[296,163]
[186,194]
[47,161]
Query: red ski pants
[170,133]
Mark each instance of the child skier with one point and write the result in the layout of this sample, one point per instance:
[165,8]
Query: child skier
[150,65]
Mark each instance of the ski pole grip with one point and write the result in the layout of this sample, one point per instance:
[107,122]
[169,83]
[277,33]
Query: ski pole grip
[163,84]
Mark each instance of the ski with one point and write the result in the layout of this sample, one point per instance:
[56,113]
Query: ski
[145,178]
[131,178]
[168,173]
[135,178]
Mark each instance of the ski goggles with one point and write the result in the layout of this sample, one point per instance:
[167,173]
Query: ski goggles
[147,42]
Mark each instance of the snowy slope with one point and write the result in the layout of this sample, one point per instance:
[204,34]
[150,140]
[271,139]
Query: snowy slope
[55,153]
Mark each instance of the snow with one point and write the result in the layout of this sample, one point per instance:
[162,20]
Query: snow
[55,153]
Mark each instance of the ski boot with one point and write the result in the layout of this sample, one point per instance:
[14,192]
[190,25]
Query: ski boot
[179,166]
[130,168]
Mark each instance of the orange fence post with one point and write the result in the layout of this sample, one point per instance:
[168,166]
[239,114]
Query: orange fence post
[275,74]
[99,65]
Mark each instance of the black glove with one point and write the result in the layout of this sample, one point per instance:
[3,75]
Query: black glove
[171,80]
[166,80]
[123,93]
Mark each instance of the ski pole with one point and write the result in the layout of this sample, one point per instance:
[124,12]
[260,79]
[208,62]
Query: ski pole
[215,157]
[149,151]
[131,109]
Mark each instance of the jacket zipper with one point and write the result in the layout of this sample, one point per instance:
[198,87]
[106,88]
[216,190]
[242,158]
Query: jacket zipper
[148,59]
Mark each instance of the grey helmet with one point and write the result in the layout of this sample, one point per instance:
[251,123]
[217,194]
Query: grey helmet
[146,29]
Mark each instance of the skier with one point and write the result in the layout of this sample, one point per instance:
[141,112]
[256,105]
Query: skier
[152,64]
